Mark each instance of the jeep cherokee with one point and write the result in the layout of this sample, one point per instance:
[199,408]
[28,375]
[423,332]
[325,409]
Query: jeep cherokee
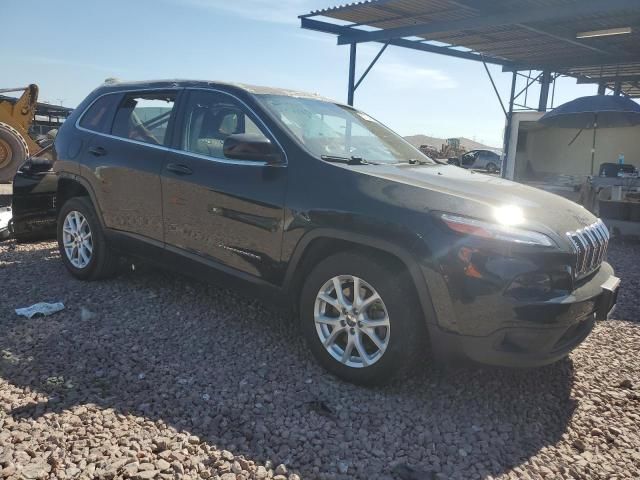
[384,253]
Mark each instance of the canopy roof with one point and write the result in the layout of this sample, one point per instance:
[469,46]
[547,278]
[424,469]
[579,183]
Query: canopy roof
[555,35]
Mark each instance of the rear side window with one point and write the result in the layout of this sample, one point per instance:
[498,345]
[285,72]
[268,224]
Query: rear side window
[99,116]
[144,117]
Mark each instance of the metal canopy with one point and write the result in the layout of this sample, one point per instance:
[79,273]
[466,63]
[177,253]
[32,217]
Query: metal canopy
[517,34]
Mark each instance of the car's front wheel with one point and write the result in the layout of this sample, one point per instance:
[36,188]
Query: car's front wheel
[81,241]
[360,318]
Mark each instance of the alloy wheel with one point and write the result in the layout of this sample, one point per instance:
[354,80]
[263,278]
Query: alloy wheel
[76,238]
[352,321]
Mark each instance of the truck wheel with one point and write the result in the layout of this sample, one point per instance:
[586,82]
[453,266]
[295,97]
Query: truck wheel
[81,241]
[13,152]
[360,318]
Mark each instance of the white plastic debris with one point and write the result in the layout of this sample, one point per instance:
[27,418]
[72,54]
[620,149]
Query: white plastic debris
[41,308]
[5,218]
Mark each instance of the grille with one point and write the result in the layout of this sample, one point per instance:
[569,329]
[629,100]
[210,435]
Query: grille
[590,244]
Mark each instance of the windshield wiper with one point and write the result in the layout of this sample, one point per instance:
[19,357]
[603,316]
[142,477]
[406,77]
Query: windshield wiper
[415,161]
[348,160]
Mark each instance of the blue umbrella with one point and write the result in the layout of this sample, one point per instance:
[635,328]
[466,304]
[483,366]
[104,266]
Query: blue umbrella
[593,112]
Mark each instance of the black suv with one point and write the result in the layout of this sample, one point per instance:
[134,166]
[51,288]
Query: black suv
[384,253]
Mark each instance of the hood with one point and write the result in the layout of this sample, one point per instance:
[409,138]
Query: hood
[456,190]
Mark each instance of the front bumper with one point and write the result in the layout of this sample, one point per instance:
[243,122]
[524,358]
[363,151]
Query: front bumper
[531,334]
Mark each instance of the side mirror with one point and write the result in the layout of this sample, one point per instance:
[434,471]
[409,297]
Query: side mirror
[251,147]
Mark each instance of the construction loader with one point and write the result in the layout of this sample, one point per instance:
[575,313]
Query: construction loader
[16,117]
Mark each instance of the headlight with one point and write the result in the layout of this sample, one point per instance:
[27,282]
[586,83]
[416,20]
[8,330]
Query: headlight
[506,233]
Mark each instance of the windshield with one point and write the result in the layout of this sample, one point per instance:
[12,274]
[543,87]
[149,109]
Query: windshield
[332,130]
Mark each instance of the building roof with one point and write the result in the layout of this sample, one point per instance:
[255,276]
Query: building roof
[517,34]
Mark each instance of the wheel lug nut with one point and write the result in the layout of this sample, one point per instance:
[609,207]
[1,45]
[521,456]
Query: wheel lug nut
[343,323]
[353,330]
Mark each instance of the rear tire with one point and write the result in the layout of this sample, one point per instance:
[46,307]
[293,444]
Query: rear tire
[82,243]
[492,167]
[397,342]
[13,152]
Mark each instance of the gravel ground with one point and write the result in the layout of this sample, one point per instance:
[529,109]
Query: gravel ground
[152,375]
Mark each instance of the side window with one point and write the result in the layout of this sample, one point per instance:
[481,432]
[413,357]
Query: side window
[144,117]
[210,117]
[99,115]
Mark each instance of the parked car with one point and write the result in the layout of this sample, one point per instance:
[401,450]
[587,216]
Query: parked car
[385,254]
[481,160]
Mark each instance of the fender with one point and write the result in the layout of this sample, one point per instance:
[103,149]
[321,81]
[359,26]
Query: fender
[400,253]
[87,186]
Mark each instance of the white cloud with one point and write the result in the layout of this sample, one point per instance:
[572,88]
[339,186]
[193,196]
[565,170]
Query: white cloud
[403,75]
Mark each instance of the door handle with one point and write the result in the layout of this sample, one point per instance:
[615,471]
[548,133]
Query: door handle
[97,151]
[179,169]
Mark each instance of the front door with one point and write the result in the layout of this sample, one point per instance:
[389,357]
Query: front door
[124,163]
[228,211]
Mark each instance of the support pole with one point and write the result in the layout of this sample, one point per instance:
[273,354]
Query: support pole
[602,88]
[507,128]
[352,74]
[495,89]
[544,91]
[618,88]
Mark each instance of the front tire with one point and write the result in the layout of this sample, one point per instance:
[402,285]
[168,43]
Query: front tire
[13,152]
[360,318]
[81,241]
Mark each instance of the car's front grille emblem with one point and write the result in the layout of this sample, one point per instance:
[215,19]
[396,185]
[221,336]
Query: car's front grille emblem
[590,244]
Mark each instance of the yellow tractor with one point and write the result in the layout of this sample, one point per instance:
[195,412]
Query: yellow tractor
[16,117]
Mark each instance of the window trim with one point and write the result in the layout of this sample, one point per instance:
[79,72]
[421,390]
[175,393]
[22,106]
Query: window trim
[177,115]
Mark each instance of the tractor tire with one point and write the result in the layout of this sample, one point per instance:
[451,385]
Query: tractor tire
[13,152]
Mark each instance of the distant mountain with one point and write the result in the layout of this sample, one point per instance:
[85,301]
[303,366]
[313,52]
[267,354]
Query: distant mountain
[468,144]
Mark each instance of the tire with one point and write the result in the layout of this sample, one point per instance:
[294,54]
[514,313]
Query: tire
[402,339]
[102,261]
[492,167]
[13,152]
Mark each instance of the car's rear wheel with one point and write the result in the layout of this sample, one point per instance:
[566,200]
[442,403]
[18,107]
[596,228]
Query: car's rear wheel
[81,241]
[492,167]
[360,318]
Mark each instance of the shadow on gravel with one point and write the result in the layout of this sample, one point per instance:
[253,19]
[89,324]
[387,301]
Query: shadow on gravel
[237,375]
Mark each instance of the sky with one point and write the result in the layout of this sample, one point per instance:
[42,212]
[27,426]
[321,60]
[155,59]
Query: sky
[251,41]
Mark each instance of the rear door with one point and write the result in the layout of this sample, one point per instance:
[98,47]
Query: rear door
[124,163]
[227,211]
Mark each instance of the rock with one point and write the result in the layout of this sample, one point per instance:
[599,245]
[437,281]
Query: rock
[36,470]
[177,467]
[146,466]
[162,465]
[626,383]
[147,474]
[614,431]
[162,443]
[343,467]
[228,476]
[261,472]
[227,455]
[579,445]
[7,471]
[281,469]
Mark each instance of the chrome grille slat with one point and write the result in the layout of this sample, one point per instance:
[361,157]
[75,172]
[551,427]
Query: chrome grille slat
[590,244]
